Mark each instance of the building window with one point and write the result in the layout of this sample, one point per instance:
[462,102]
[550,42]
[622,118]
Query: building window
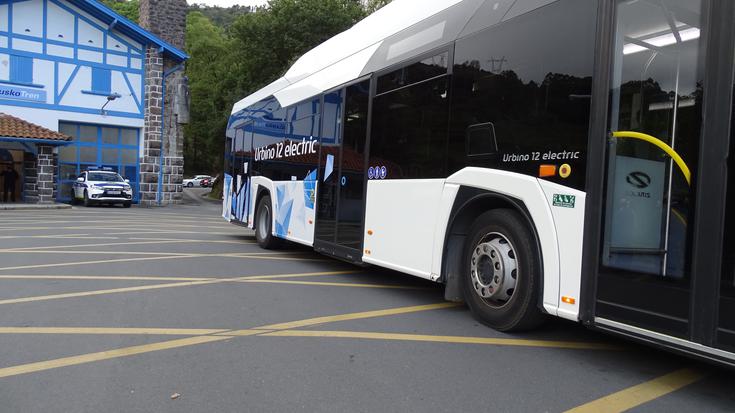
[21,69]
[101,80]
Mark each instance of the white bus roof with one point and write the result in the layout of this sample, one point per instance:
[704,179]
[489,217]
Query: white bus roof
[399,31]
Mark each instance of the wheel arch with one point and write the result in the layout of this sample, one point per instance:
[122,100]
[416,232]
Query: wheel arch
[468,205]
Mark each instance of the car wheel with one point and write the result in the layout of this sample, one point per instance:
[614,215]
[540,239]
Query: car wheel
[502,272]
[263,223]
[190,185]
[73,198]
[126,204]
[87,201]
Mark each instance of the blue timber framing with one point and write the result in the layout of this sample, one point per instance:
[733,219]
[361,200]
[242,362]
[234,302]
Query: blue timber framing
[128,62]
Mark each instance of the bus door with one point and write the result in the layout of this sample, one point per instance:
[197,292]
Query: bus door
[340,207]
[241,165]
[654,122]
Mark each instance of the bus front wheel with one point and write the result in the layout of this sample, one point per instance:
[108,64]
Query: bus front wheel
[263,222]
[502,272]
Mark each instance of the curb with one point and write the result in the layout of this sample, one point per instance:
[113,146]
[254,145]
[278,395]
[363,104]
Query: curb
[26,207]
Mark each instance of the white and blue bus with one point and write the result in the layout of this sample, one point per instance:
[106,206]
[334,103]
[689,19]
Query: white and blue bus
[537,157]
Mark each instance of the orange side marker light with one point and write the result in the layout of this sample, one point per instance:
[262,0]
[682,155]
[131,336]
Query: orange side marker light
[370,232]
[568,300]
[545,171]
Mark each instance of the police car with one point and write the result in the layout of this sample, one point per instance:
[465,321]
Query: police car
[102,186]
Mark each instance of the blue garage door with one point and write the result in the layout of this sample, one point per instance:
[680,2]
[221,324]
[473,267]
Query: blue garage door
[98,146]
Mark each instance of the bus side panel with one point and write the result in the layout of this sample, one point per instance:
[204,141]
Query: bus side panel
[568,206]
[294,209]
[441,227]
[401,215]
[528,190]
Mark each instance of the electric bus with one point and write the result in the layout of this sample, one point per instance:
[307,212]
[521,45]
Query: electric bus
[569,158]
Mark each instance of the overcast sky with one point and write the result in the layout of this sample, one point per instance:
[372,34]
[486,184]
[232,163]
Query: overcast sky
[228,3]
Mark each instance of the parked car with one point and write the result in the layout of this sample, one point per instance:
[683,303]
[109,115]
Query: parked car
[195,181]
[93,186]
[206,182]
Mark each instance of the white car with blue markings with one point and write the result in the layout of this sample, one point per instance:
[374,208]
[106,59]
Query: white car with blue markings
[102,187]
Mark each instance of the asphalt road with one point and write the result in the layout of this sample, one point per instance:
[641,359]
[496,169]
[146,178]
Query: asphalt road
[174,310]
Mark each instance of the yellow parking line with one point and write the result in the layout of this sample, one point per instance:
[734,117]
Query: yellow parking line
[642,393]
[296,275]
[332,284]
[111,330]
[222,335]
[356,316]
[149,287]
[110,253]
[110,244]
[102,277]
[106,355]
[108,291]
[444,339]
[67,264]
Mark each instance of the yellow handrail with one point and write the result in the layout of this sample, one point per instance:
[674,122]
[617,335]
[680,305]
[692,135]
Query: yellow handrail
[661,145]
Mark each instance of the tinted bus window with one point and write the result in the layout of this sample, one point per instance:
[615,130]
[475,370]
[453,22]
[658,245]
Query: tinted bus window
[409,131]
[531,77]
[426,69]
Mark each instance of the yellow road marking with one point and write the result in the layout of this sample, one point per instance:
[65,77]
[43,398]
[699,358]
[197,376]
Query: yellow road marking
[108,291]
[444,339]
[102,277]
[151,287]
[169,277]
[106,355]
[224,335]
[642,393]
[332,284]
[165,256]
[356,316]
[296,275]
[110,244]
[66,264]
[111,330]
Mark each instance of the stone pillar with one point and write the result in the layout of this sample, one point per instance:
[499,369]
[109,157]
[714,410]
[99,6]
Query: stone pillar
[153,98]
[30,191]
[167,20]
[45,174]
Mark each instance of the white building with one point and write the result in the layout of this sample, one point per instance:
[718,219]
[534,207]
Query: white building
[77,67]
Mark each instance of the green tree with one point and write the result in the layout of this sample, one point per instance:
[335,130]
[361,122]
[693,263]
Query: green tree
[208,71]
[126,8]
[226,65]
[372,5]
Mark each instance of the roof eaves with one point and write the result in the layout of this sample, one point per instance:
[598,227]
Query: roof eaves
[128,27]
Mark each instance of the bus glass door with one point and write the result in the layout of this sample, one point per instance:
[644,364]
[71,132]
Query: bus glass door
[655,122]
[341,189]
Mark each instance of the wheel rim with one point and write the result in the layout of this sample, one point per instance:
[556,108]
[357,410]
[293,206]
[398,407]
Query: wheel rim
[264,218]
[494,270]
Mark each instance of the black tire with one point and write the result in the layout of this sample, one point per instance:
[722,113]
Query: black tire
[190,185]
[501,244]
[73,198]
[126,204]
[263,225]
[87,201]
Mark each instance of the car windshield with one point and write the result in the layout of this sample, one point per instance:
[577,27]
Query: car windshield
[105,177]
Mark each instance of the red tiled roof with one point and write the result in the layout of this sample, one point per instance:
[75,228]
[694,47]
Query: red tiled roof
[12,127]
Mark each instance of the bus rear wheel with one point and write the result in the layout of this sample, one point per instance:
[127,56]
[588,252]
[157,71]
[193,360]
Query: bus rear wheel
[502,272]
[263,223]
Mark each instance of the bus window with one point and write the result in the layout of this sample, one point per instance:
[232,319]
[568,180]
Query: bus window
[511,75]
